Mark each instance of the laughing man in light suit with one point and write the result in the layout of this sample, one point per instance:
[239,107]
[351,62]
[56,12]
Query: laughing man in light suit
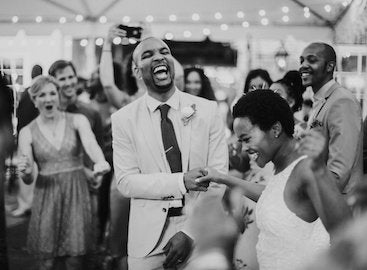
[159,235]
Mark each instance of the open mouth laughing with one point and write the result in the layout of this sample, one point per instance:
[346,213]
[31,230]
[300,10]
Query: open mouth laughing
[160,72]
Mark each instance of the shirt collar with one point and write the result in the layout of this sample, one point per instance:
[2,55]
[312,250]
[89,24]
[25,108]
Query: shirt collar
[173,101]
[321,94]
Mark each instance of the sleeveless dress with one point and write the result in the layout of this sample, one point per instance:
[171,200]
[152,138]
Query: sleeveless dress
[61,220]
[286,242]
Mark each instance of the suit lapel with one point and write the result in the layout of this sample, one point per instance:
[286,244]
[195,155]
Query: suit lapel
[146,128]
[185,135]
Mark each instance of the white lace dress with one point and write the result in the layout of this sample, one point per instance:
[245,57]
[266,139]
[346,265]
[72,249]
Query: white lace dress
[286,242]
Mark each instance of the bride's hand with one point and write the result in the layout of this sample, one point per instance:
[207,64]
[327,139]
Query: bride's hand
[211,175]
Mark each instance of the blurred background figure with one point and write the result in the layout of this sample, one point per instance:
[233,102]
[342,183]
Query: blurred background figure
[197,83]
[6,148]
[257,79]
[26,112]
[290,88]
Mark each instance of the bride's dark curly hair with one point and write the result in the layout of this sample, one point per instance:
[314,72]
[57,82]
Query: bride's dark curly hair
[264,108]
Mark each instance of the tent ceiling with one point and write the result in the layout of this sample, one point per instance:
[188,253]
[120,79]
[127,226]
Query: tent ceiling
[138,10]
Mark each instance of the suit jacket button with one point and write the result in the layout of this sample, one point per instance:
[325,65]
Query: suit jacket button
[164,210]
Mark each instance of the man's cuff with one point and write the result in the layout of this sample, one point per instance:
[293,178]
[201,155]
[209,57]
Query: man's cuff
[181,183]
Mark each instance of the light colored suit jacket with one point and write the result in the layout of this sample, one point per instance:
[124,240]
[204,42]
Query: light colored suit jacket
[339,118]
[143,173]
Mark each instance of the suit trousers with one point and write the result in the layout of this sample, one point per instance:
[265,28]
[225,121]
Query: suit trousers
[155,259]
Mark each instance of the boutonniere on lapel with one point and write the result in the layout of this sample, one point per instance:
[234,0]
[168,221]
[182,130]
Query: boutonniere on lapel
[188,113]
[316,123]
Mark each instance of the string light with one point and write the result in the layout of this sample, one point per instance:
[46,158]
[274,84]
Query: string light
[99,41]
[62,20]
[117,40]
[15,19]
[149,18]
[327,8]
[285,9]
[285,18]
[306,10]
[262,12]
[224,27]
[172,17]
[240,14]
[187,34]
[168,36]
[218,15]
[79,18]
[38,19]
[84,42]
[206,31]
[245,24]
[345,3]
[103,19]
[195,17]
[307,15]
[132,41]
[126,19]
[264,21]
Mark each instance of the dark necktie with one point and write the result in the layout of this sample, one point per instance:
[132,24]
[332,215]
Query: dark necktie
[171,148]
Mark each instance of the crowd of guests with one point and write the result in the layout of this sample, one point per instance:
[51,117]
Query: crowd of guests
[145,170]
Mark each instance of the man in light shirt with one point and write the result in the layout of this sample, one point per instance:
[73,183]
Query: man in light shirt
[159,142]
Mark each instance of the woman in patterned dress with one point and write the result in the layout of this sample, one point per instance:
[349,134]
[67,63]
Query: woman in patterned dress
[60,229]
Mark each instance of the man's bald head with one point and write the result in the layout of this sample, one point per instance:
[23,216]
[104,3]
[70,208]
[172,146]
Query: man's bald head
[139,47]
[327,51]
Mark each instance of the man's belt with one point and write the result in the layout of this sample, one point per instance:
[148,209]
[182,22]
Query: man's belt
[174,212]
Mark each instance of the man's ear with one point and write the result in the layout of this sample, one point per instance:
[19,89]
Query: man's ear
[330,66]
[276,129]
[136,71]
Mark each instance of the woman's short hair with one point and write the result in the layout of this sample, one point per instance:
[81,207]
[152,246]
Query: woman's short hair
[264,108]
[262,73]
[39,83]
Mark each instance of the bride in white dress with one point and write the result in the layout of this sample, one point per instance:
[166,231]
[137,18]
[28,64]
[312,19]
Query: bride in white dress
[301,205]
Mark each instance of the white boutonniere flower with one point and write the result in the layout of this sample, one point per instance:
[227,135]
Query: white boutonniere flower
[188,113]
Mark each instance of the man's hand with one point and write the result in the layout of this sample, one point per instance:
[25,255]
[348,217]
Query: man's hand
[191,176]
[313,144]
[237,159]
[177,249]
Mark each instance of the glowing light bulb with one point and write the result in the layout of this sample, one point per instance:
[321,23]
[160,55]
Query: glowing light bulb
[240,14]
[172,17]
[62,20]
[99,41]
[149,18]
[224,27]
[245,24]
[262,12]
[39,19]
[103,19]
[187,34]
[168,36]
[126,19]
[84,42]
[116,40]
[218,15]
[206,31]
[15,19]
[264,21]
[79,18]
